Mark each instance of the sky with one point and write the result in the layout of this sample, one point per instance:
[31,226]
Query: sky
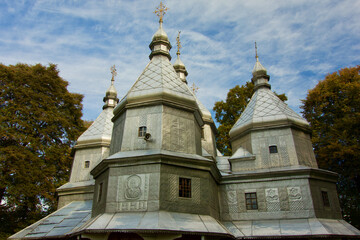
[299,42]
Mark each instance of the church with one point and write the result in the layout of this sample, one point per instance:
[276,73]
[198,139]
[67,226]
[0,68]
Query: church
[148,168]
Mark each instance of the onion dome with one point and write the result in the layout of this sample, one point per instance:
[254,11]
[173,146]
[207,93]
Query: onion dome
[179,65]
[110,98]
[260,77]
[160,44]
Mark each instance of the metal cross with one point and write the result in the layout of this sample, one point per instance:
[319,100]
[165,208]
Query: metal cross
[160,11]
[113,73]
[178,43]
[256,56]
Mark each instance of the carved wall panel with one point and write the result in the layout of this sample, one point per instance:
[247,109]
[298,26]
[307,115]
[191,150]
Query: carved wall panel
[295,199]
[272,199]
[133,192]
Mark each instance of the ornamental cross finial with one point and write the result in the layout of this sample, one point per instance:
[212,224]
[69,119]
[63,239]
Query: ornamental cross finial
[178,43]
[194,88]
[113,73]
[160,11]
[256,56]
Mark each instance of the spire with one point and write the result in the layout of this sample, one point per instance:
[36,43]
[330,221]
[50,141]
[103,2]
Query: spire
[110,98]
[179,65]
[260,77]
[160,44]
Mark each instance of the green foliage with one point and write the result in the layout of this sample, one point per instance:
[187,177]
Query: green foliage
[39,122]
[228,112]
[333,111]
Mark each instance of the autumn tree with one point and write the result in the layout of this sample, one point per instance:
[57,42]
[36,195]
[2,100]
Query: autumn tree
[332,108]
[228,112]
[39,122]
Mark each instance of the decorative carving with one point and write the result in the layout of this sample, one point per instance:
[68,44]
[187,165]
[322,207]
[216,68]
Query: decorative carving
[231,197]
[272,195]
[294,194]
[295,199]
[133,190]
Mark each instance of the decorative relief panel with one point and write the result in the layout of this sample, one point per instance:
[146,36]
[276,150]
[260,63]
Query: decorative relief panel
[232,201]
[295,199]
[133,192]
[272,199]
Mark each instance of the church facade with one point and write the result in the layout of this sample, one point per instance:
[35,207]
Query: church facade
[148,168]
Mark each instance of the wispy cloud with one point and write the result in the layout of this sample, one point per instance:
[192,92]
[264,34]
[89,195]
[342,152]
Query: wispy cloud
[299,42]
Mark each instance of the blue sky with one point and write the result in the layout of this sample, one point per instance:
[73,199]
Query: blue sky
[299,42]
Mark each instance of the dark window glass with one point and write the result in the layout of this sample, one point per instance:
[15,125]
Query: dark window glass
[273,149]
[100,191]
[87,164]
[142,131]
[251,201]
[185,187]
[325,198]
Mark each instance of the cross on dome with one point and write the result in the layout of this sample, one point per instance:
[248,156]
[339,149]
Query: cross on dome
[178,43]
[256,55]
[113,73]
[160,11]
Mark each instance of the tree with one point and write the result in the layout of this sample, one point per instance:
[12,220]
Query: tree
[39,123]
[332,108]
[228,112]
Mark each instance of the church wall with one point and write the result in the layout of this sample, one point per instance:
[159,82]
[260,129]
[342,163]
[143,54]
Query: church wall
[149,116]
[333,210]
[204,191]
[261,140]
[133,188]
[304,149]
[244,142]
[66,199]
[117,133]
[180,131]
[208,142]
[100,193]
[80,172]
[276,199]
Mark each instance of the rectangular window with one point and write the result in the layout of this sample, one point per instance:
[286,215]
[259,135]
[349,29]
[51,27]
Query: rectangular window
[185,187]
[273,149]
[251,201]
[100,191]
[325,198]
[87,164]
[142,131]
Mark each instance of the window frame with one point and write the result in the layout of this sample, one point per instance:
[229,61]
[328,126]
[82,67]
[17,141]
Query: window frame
[325,198]
[142,131]
[273,149]
[251,201]
[185,187]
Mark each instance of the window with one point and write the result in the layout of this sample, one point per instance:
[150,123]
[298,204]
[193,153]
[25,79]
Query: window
[185,187]
[202,133]
[251,201]
[100,191]
[273,149]
[325,199]
[142,131]
[87,164]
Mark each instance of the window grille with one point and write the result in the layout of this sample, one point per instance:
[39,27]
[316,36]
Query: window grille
[273,149]
[325,198]
[251,201]
[142,131]
[185,187]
